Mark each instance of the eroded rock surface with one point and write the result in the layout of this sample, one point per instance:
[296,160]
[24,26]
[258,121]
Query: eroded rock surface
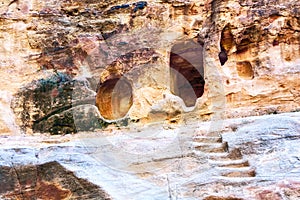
[250,53]
[57,104]
[256,158]
[47,181]
[60,65]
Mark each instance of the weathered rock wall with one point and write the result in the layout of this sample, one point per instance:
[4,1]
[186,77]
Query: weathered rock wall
[249,52]
[46,181]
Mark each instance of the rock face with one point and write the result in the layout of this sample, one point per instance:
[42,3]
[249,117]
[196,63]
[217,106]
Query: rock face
[244,54]
[55,104]
[177,67]
[251,158]
[47,181]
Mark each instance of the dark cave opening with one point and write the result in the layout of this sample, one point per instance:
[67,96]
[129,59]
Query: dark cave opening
[187,72]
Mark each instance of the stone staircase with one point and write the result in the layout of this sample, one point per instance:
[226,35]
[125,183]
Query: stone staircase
[229,164]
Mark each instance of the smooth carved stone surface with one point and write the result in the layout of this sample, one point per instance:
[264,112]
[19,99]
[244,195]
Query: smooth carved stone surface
[47,181]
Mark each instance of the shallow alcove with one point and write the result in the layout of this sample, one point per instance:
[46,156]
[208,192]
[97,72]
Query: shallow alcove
[186,71]
[227,39]
[114,98]
[245,70]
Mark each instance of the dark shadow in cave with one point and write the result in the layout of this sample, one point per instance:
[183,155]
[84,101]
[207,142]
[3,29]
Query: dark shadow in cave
[186,71]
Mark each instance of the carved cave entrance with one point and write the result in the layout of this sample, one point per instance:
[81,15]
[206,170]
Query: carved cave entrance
[186,71]
[114,98]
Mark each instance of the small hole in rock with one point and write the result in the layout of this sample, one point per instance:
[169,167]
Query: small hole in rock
[245,70]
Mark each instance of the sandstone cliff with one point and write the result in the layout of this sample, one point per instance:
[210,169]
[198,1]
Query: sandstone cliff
[172,99]
[225,58]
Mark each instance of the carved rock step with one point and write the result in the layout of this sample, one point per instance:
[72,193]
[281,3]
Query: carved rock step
[235,179]
[211,147]
[204,139]
[230,163]
[236,172]
[239,172]
[234,154]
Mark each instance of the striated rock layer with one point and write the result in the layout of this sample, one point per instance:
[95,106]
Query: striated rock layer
[179,59]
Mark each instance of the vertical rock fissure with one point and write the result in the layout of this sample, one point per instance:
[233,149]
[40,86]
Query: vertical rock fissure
[226,43]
